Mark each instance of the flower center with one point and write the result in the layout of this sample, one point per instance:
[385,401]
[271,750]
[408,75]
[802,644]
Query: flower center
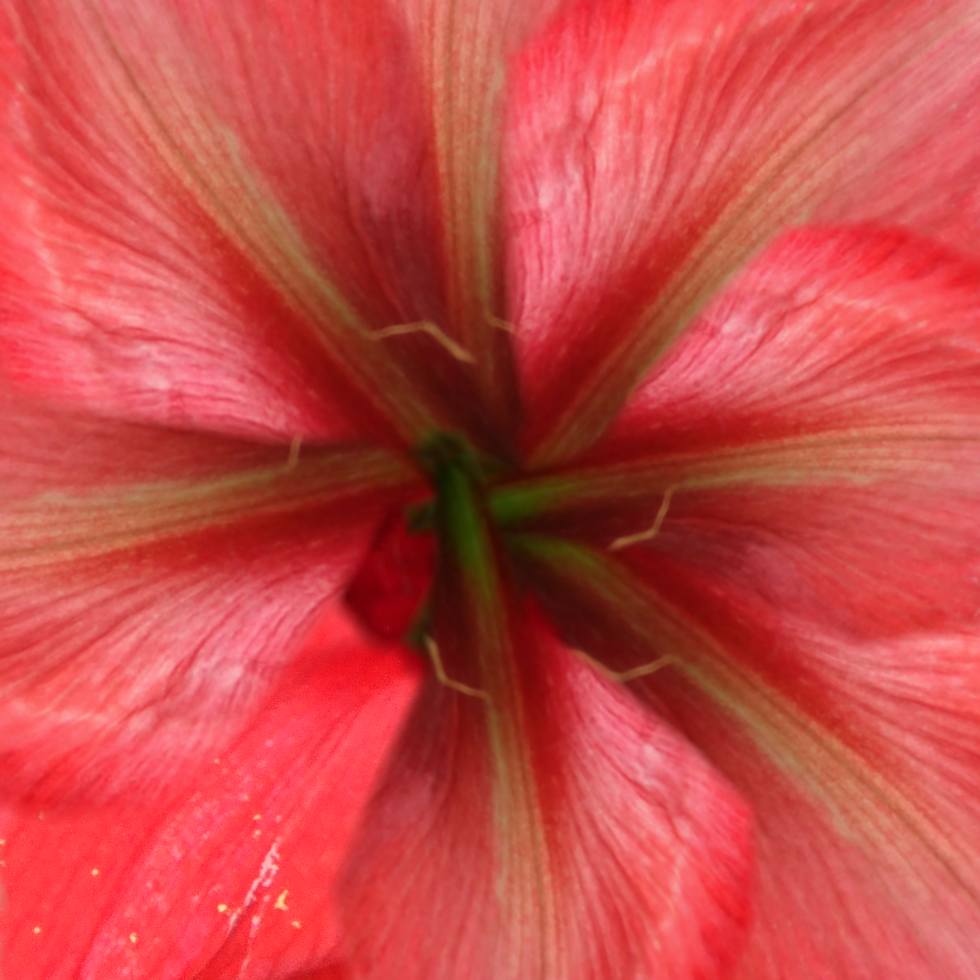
[389,593]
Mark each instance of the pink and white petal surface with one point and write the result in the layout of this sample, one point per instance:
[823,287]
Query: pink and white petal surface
[858,756]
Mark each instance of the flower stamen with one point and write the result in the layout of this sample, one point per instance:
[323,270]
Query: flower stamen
[628,540]
[505,325]
[624,676]
[429,329]
[432,649]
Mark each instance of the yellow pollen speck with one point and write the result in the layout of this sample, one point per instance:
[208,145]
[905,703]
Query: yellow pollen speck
[256,834]
[133,937]
[222,907]
[95,872]
[281,901]
[296,924]
[37,930]
[256,816]
[3,841]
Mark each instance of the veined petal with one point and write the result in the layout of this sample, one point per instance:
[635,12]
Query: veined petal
[654,147]
[604,501]
[840,358]
[464,47]
[930,186]
[828,331]
[578,839]
[847,718]
[229,879]
[139,619]
[206,232]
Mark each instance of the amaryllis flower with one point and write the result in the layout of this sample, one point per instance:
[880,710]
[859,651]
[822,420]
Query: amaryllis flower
[490,489]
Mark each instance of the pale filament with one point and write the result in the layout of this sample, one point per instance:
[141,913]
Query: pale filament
[432,649]
[292,461]
[651,532]
[624,676]
[504,325]
[429,329]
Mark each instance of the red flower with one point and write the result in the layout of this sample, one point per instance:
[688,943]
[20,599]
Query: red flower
[620,359]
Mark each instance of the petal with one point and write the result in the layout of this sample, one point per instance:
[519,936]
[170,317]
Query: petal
[388,591]
[930,186]
[145,607]
[463,47]
[559,831]
[654,147]
[231,879]
[823,670]
[209,216]
[840,358]
[860,760]
[829,330]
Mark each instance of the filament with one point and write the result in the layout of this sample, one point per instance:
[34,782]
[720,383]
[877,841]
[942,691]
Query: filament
[429,329]
[624,676]
[432,649]
[651,532]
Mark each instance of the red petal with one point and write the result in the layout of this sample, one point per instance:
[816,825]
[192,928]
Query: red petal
[824,624]
[825,657]
[839,359]
[387,592]
[231,880]
[146,605]
[846,710]
[597,845]
[210,213]
[828,331]
[463,47]
[654,147]
[930,186]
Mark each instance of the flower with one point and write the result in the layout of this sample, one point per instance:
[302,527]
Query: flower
[489,489]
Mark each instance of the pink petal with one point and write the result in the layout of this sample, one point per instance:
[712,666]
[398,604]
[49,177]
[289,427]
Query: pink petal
[566,834]
[231,879]
[654,147]
[825,658]
[849,719]
[841,358]
[463,48]
[930,186]
[152,584]
[208,215]
[830,330]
